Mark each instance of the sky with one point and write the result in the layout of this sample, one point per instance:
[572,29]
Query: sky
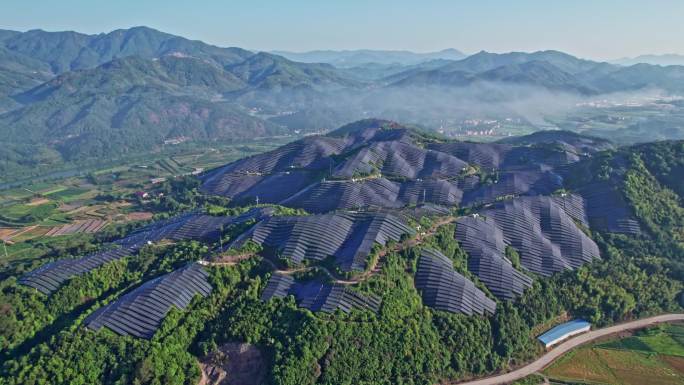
[597,29]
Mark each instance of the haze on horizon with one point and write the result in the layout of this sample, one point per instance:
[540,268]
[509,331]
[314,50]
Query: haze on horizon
[604,30]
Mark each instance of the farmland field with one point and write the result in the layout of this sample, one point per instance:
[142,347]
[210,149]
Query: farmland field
[668,341]
[652,356]
[39,217]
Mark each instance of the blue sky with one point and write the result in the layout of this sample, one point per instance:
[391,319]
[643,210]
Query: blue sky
[599,29]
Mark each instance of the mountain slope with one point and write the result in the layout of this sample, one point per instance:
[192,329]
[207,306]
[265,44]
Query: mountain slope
[266,71]
[77,97]
[130,105]
[65,51]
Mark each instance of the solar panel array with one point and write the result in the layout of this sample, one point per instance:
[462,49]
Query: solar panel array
[443,288]
[400,159]
[244,188]
[309,153]
[359,167]
[547,238]
[607,210]
[348,237]
[570,141]
[50,276]
[538,228]
[345,195]
[505,156]
[487,155]
[573,205]
[484,243]
[514,183]
[378,192]
[366,132]
[140,312]
[318,296]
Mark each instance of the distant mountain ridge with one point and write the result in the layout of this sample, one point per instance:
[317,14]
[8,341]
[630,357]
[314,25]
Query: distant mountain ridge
[66,51]
[661,60]
[67,96]
[548,69]
[353,58]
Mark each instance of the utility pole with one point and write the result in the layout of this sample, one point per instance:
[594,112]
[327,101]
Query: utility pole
[257,200]
[4,244]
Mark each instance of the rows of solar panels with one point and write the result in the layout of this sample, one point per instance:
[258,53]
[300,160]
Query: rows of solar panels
[352,169]
[347,237]
[319,296]
[440,285]
[389,168]
[445,289]
[140,312]
[541,229]
[51,276]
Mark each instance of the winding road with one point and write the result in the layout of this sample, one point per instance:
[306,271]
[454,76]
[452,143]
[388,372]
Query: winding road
[568,345]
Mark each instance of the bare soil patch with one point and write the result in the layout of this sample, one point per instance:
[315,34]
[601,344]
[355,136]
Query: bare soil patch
[139,216]
[38,202]
[233,364]
[677,363]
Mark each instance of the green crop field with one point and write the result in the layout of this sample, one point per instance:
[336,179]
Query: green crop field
[23,214]
[667,340]
[67,194]
[652,356]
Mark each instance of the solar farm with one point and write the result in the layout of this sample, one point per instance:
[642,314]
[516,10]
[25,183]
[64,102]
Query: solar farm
[364,192]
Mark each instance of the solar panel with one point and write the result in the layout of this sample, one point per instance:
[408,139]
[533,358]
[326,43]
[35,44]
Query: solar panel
[514,183]
[484,243]
[445,289]
[399,159]
[607,209]
[318,296]
[348,237]
[140,312]
[206,228]
[545,236]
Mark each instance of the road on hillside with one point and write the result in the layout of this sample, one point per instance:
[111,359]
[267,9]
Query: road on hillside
[568,345]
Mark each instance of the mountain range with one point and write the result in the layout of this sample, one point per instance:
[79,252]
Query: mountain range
[546,69]
[70,97]
[670,59]
[354,58]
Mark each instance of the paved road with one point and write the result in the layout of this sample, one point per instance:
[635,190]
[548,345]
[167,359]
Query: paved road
[568,345]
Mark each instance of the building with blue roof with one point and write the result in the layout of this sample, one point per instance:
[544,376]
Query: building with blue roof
[563,332]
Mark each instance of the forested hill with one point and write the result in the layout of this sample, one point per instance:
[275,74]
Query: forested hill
[69,97]
[646,180]
[59,52]
[393,256]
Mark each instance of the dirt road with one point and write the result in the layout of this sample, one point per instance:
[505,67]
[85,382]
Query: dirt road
[568,345]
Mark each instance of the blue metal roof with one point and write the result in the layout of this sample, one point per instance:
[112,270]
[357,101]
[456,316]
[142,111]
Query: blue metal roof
[562,330]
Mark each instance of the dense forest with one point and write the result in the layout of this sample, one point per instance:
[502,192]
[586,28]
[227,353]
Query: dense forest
[43,341]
